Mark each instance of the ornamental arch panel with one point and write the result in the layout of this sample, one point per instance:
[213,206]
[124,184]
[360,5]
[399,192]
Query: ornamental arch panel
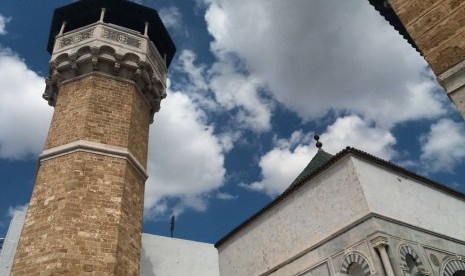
[453,266]
[355,258]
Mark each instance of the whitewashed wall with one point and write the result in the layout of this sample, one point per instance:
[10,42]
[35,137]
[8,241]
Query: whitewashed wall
[332,200]
[163,256]
[410,201]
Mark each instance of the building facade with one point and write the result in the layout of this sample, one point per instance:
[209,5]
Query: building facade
[356,215]
[348,214]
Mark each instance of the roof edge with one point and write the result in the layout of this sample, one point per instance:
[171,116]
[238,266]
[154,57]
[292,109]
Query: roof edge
[345,152]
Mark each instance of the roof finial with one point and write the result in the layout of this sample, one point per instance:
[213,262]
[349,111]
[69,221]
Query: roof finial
[318,143]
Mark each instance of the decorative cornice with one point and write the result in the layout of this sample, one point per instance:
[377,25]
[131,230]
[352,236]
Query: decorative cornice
[94,147]
[111,50]
[379,241]
[454,78]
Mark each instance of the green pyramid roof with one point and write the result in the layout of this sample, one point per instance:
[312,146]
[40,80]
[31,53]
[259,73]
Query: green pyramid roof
[320,158]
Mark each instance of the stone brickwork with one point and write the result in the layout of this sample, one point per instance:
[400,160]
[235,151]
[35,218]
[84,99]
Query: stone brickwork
[85,213]
[438,29]
[101,109]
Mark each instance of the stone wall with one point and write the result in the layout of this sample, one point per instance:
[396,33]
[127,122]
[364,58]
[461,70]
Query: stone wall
[104,110]
[85,213]
[437,27]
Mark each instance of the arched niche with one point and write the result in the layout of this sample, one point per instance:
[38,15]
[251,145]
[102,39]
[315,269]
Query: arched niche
[355,264]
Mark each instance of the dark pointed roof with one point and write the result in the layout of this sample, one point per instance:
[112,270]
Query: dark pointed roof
[119,12]
[383,7]
[320,158]
[311,173]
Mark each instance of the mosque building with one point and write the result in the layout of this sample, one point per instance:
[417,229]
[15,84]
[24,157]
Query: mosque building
[351,213]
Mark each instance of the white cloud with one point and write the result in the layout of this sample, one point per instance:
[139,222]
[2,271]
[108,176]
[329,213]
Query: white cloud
[225,196]
[317,56]
[19,208]
[281,165]
[171,17]
[443,148]
[195,73]
[239,93]
[3,21]
[186,161]
[355,132]
[221,88]
[24,115]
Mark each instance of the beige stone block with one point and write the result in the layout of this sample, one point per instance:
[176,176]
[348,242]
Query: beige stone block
[442,32]
[454,4]
[414,9]
[427,21]
[447,55]
[396,4]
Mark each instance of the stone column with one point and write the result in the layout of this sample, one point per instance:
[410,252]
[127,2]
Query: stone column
[380,243]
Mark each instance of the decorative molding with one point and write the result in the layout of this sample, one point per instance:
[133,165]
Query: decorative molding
[113,51]
[434,259]
[121,37]
[379,241]
[107,60]
[452,266]
[76,38]
[357,258]
[453,79]
[94,147]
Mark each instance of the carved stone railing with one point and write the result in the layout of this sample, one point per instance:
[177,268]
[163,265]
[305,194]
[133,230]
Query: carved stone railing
[112,50]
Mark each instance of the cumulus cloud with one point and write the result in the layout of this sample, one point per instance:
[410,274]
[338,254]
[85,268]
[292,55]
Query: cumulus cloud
[196,80]
[186,159]
[24,115]
[221,88]
[171,17]
[240,94]
[281,165]
[3,21]
[443,148]
[313,63]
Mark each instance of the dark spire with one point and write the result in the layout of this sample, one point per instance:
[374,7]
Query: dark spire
[173,218]
[318,143]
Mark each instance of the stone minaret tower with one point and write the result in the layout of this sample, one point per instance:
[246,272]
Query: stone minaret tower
[106,80]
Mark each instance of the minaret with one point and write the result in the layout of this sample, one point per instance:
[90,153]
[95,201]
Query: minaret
[106,80]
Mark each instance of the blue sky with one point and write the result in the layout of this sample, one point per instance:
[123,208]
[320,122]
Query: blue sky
[251,83]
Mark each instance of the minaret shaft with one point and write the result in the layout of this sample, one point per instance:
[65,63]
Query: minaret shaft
[85,213]
[106,80]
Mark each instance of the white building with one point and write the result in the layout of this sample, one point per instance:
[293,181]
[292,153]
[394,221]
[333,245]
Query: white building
[351,213]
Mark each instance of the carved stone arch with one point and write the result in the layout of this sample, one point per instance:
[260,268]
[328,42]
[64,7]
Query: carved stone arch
[83,51]
[452,266]
[357,258]
[406,249]
[61,58]
[131,57]
[105,49]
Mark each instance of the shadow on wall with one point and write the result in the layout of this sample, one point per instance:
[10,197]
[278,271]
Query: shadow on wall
[146,265]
